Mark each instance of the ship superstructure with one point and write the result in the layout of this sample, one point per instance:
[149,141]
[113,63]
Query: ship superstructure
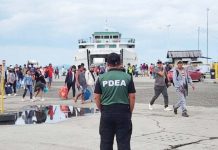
[96,49]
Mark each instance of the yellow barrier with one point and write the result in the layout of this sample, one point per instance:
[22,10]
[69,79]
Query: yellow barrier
[2,86]
[215,66]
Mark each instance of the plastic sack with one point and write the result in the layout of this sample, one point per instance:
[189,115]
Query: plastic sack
[45,90]
[63,92]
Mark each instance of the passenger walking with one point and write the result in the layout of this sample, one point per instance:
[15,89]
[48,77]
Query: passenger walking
[130,69]
[143,69]
[181,79]
[63,71]
[90,80]
[151,71]
[11,80]
[80,82]
[24,69]
[50,75]
[56,73]
[19,77]
[115,98]
[160,86]
[70,80]
[28,84]
[146,69]
[40,85]
[136,71]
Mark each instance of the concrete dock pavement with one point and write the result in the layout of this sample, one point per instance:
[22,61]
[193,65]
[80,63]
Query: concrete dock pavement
[152,129]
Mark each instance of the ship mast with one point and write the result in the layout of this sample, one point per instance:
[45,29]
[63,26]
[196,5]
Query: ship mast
[106,25]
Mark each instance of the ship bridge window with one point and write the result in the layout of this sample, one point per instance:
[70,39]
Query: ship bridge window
[106,37]
[113,46]
[131,46]
[100,46]
[82,46]
[97,37]
[115,37]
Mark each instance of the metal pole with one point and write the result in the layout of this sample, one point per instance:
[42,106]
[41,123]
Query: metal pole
[88,58]
[198,37]
[207,33]
[2,86]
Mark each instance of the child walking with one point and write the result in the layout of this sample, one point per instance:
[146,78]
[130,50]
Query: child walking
[28,85]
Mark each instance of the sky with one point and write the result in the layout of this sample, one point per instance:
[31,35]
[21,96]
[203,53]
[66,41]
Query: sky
[48,30]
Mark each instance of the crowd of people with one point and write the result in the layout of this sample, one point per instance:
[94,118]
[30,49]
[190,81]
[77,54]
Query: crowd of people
[37,80]
[145,70]
[83,79]
[112,88]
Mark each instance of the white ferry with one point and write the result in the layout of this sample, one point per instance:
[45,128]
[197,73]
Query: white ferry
[96,49]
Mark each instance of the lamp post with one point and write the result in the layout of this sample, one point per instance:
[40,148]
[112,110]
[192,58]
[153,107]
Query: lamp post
[207,33]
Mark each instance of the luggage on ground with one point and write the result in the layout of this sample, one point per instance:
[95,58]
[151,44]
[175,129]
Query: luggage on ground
[8,89]
[63,92]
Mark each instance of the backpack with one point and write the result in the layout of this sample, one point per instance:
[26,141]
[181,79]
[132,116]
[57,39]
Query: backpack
[177,74]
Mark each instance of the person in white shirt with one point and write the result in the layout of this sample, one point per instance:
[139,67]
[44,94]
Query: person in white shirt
[90,80]
[63,71]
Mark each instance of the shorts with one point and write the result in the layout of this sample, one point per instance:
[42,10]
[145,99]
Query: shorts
[39,86]
[49,80]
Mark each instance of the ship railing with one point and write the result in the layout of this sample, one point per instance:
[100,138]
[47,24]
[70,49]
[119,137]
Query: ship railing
[122,40]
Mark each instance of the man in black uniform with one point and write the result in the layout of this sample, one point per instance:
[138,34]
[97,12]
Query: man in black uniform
[115,98]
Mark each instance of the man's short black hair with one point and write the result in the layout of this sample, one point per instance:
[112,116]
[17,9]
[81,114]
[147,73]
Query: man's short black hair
[74,67]
[180,62]
[159,62]
[113,59]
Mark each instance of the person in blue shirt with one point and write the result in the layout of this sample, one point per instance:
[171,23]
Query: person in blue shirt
[28,85]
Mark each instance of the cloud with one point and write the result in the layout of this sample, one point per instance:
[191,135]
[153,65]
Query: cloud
[44,55]
[57,25]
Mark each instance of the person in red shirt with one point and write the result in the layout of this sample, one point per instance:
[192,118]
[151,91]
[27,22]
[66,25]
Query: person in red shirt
[50,71]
